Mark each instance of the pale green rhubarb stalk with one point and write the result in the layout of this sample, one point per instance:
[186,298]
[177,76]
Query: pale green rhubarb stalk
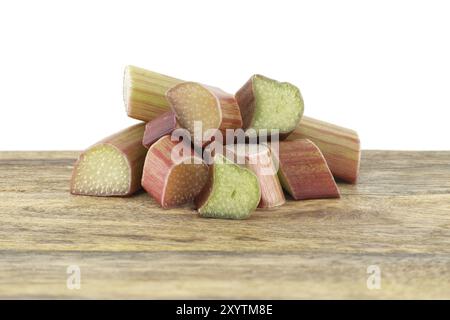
[267,104]
[340,146]
[258,159]
[173,174]
[111,167]
[232,191]
[144,93]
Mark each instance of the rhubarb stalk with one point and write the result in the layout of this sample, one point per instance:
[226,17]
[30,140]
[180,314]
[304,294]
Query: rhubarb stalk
[303,171]
[340,146]
[111,167]
[232,191]
[173,174]
[144,93]
[210,107]
[267,104]
[162,125]
[258,159]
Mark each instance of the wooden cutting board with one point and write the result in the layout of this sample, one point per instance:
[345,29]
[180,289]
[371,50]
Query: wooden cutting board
[395,224]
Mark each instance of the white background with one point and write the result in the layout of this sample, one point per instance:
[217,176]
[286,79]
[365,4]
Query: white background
[379,67]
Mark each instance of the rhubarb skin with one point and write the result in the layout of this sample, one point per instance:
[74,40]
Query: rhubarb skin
[259,160]
[111,167]
[303,171]
[267,104]
[144,93]
[173,182]
[162,125]
[232,191]
[212,107]
[340,146]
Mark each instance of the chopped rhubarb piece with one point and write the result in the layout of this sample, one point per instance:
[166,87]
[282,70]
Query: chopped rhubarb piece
[303,171]
[258,158]
[210,107]
[171,178]
[267,104]
[112,167]
[144,93]
[162,125]
[232,191]
[340,146]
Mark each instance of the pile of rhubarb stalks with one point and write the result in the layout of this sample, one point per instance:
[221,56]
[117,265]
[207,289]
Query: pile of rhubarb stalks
[223,175]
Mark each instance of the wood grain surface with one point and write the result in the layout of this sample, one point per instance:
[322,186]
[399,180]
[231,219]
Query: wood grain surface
[397,218]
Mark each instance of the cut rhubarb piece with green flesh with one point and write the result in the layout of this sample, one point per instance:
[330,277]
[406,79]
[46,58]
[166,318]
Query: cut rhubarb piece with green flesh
[340,146]
[112,167]
[232,192]
[303,171]
[144,93]
[170,180]
[258,159]
[267,104]
[211,107]
[162,125]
